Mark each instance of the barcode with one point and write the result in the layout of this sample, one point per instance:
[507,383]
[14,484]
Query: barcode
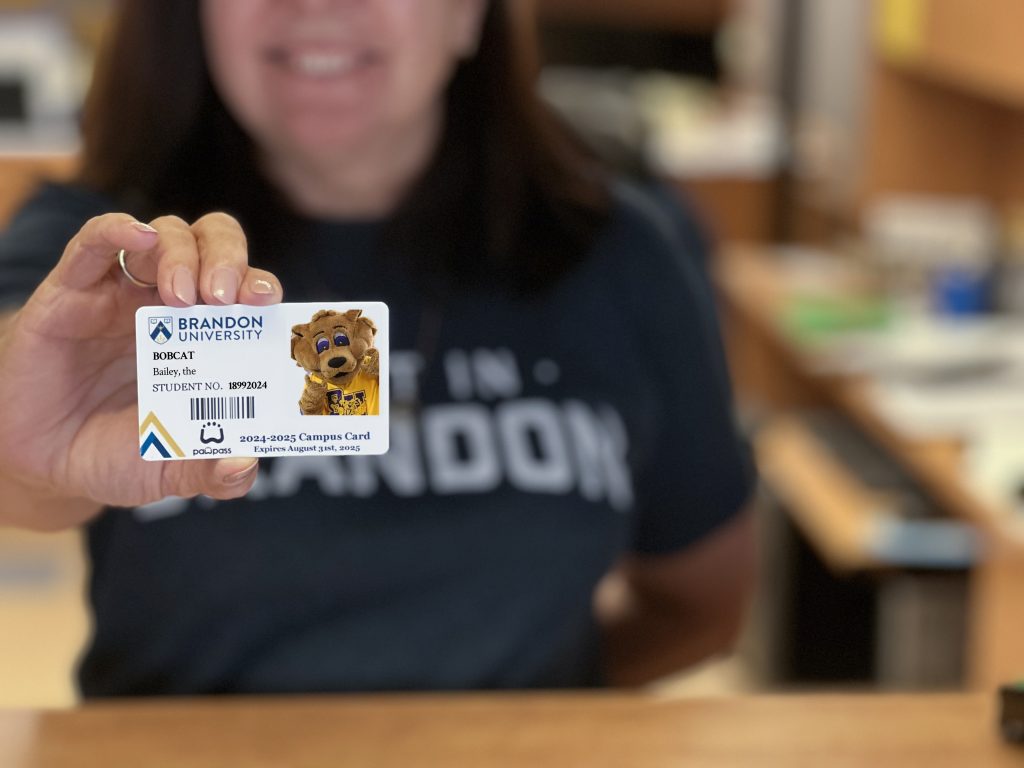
[203,408]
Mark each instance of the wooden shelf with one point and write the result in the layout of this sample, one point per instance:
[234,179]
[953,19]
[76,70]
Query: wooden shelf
[831,507]
[753,292]
[20,174]
[834,513]
[735,208]
[945,101]
[678,15]
[974,47]
[942,74]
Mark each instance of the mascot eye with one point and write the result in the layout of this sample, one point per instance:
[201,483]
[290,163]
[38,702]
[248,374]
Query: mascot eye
[322,345]
[341,340]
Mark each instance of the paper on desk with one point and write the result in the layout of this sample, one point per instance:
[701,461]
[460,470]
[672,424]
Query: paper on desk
[994,466]
[931,377]
[925,351]
[936,379]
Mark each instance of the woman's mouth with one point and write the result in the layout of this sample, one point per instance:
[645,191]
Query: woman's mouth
[320,64]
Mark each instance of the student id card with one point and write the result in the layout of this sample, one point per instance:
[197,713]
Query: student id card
[284,380]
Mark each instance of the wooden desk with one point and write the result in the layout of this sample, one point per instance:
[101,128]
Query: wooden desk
[754,294]
[523,730]
[772,370]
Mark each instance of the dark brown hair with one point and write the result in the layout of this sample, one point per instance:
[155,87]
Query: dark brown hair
[511,198]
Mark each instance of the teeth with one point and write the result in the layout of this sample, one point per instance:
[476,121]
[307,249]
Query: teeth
[324,64]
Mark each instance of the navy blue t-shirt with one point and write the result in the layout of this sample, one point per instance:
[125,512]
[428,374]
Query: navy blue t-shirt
[533,443]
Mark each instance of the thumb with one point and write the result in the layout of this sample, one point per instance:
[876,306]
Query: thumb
[217,478]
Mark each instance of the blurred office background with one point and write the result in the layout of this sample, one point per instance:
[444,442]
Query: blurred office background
[861,164]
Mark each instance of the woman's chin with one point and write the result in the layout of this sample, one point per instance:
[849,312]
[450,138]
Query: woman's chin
[326,139]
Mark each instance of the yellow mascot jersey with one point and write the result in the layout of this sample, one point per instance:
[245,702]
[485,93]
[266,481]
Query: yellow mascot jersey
[360,398]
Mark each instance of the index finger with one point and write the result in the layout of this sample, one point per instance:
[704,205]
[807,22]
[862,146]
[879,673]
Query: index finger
[90,254]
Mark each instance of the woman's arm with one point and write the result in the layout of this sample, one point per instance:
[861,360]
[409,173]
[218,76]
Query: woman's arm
[68,394]
[25,506]
[36,510]
[660,613]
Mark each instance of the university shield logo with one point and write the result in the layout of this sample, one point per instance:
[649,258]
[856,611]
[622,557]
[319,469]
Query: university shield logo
[160,329]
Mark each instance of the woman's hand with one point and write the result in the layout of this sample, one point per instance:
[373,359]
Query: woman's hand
[68,397]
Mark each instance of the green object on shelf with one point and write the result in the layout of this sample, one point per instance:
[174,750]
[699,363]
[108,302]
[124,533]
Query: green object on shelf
[811,317]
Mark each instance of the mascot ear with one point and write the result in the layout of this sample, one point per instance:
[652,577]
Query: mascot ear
[298,333]
[369,324]
[352,314]
[302,350]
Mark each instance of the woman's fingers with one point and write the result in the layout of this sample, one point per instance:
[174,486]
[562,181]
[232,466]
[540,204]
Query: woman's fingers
[208,260]
[259,288]
[223,257]
[230,478]
[225,276]
[90,255]
[217,478]
[177,270]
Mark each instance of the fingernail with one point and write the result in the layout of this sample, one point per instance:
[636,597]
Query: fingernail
[242,475]
[224,285]
[261,286]
[138,225]
[183,285]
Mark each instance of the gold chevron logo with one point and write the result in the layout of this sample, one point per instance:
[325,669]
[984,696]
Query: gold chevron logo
[152,422]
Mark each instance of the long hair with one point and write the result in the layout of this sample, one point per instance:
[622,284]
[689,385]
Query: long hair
[511,197]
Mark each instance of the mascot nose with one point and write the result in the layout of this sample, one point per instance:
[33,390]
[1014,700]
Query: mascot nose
[336,362]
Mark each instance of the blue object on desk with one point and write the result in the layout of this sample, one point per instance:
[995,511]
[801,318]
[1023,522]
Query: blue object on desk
[935,544]
[960,291]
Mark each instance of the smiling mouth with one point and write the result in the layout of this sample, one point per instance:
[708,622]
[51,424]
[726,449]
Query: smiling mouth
[320,64]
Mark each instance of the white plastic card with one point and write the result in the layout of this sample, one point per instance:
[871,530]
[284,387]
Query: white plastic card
[285,380]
